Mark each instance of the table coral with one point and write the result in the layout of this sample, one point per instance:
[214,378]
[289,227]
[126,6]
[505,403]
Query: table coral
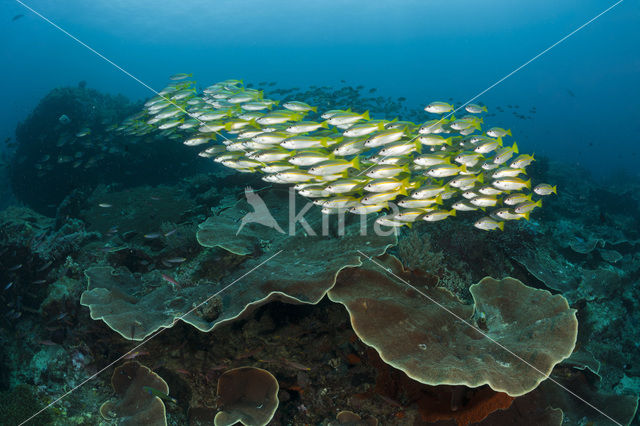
[135,405]
[432,339]
[247,395]
[305,271]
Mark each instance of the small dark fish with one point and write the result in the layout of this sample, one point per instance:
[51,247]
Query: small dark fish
[59,317]
[105,205]
[48,343]
[15,18]
[152,236]
[154,198]
[173,231]
[15,267]
[176,260]
[8,286]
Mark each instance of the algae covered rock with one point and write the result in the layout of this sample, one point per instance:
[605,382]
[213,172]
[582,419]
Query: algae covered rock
[19,404]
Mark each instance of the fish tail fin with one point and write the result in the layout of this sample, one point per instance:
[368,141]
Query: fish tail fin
[509,132]
[528,197]
[477,125]
[501,226]
[448,141]
[452,212]
[484,109]
[514,148]
[525,215]
[402,190]
[253,123]
[539,203]
[276,103]
[324,141]
[314,109]
[463,169]
[405,182]
[332,156]
[480,177]
[409,224]
[528,184]
[228,126]
[554,189]
[366,115]
[355,163]
[324,124]
[499,140]
[418,146]
[438,200]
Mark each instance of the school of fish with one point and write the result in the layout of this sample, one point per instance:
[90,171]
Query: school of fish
[346,161]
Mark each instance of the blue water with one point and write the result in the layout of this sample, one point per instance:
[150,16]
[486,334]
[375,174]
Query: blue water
[586,90]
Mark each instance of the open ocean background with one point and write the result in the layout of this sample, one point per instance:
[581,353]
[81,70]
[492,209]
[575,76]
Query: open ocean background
[586,90]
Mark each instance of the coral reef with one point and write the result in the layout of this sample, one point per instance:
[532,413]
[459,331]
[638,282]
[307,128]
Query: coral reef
[137,389]
[434,342]
[54,156]
[141,255]
[247,395]
[136,311]
[19,404]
